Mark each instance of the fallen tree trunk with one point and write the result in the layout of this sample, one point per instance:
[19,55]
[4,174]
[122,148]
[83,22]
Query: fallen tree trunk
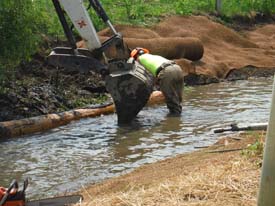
[32,125]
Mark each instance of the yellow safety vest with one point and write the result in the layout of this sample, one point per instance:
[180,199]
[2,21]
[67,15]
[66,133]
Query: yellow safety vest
[151,62]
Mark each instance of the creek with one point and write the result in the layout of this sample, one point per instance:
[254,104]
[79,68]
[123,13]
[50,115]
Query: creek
[90,150]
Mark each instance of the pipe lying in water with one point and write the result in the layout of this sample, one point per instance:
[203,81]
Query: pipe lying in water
[33,125]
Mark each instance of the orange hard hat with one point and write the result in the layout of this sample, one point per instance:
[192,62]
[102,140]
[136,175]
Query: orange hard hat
[138,51]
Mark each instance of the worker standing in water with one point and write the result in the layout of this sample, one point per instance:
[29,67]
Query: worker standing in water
[169,77]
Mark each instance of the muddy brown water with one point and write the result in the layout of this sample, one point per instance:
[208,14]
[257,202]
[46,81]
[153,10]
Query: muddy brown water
[90,150]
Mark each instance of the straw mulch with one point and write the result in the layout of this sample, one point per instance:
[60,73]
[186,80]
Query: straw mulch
[200,178]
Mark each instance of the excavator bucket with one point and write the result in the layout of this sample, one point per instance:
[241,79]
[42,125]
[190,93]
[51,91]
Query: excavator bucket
[130,86]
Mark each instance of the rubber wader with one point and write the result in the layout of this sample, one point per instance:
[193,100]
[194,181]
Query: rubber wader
[130,86]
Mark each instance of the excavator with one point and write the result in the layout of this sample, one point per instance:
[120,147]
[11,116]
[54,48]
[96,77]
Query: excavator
[130,85]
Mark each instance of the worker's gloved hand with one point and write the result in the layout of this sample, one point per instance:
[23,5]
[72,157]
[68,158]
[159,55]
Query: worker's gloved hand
[131,60]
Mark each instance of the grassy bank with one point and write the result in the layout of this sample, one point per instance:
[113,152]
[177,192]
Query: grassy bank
[226,173]
[145,12]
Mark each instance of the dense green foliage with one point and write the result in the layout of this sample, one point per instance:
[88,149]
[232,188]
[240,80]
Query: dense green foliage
[16,41]
[147,12]
[23,23]
[244,7]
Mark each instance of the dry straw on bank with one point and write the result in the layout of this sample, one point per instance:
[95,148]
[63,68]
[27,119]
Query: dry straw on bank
[229,183]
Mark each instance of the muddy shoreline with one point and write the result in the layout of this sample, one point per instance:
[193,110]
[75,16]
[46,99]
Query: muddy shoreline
[24,101]
[234,75]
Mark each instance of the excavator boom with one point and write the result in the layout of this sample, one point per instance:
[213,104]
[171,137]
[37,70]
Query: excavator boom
[130,85]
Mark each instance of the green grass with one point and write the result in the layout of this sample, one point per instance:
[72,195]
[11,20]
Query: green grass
[84,101]
[145,12]
[255,150]
[148,12]
[244,7]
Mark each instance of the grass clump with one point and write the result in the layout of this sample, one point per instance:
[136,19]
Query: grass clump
[255,149]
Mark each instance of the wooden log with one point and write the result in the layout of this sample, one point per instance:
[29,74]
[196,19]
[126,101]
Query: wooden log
[42,123]
[33,125]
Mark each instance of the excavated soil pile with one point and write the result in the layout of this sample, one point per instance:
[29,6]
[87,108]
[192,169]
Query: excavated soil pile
[225,50]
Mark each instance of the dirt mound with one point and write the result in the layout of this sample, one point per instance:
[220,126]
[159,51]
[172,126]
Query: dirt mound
[264,37]
[224,49]
[131,31]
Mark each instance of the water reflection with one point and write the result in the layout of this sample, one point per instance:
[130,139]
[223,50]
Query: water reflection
[134,141]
